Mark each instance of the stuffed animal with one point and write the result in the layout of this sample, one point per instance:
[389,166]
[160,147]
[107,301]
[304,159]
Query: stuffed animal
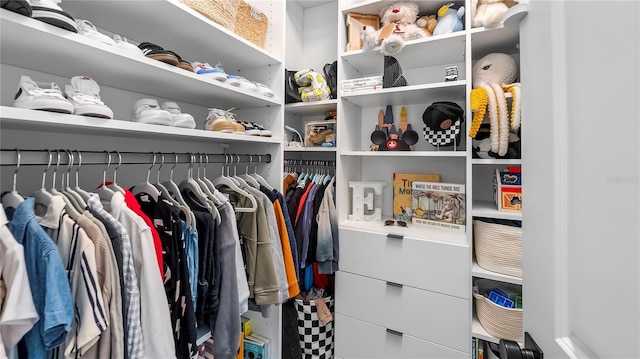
[313,86]
[449,20]
[428,24]
[398,25]
[493,75]
[488,13]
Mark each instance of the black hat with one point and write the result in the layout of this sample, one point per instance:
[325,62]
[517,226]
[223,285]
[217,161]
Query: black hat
[442,123]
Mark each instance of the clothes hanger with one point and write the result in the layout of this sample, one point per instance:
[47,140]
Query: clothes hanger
[146,187]
[226,181]
[114,185]
[217,194]
[259,178]
[13,199]
[75,199]
[204,187]
[103,191]
[229,160]
[173,188]
[41,196]
[241,182]
[71,210]
[250,180]
[191,187]
[83,194]
[189,216]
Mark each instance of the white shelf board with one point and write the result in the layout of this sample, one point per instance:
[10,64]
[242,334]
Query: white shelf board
[442,49]
[19,118]
[311,108]
[404,153]
[23,41]
[480,272]
[501,39]
[412,231]
[409,95]
[497,161]
[374,6]
[310,149]
[203,333]
[176,27]
[488,209]
[478,331]
[515,14]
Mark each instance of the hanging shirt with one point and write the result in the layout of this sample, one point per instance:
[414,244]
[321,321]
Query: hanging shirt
[241,274]
[313,232]
[79,258]
[17,311]
[128,278]
[190,235]
[327,250]
[47,280]
[155,317]
[290,231]
[292,280]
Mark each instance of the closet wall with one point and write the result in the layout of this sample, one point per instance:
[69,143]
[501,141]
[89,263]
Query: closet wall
[50,54]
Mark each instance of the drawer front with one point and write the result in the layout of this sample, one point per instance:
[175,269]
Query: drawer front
[438,318]
[356,339]
[434,266]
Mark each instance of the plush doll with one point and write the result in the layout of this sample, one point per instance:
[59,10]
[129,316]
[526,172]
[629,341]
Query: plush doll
[493,75]
[313,86]
[488,13]
[398,24]
[427,23]
[449,20]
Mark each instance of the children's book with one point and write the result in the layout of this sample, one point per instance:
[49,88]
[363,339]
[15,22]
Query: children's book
[402,200]
[439,205]
[255,348]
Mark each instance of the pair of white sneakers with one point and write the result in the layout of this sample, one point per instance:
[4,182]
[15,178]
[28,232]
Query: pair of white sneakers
[81,97]
[87,29]
[147,110]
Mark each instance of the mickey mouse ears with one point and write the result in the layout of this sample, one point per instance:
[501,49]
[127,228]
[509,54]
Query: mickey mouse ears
[442,123]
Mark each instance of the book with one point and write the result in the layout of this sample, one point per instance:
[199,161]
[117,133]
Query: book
[245,326]
[240,352]
[267,344]
[254,348]
[439,205]
[361,89]
[364,81]
[402,200]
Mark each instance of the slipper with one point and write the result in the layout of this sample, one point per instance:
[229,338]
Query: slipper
[22,7]
[182,63]
[158,53]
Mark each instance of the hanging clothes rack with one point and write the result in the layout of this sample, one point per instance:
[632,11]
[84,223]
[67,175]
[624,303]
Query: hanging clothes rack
[31,157]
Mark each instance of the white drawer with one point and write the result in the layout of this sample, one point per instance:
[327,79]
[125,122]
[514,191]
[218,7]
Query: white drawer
[434,266]
[356,339]
[438,318]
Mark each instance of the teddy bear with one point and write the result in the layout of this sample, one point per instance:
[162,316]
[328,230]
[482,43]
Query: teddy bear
[427,23]
[398,25]
[488,13]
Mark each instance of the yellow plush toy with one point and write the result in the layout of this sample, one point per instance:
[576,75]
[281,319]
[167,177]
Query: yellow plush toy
[427,23]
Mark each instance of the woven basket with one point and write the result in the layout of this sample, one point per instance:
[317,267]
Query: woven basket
[500,322]
[221,11]
[498,247]
[251,23]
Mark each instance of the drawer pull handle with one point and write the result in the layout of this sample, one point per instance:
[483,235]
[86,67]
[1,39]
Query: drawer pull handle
[395,236]
[395,332]
[394,284]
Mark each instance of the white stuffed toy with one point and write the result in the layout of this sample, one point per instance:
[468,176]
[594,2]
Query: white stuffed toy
[493,75]
[488,13]
[449,19]
[398,25]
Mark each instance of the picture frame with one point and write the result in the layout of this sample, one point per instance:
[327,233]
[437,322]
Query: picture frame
[356,24]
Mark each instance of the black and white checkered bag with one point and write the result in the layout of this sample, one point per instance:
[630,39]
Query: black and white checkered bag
[316,338]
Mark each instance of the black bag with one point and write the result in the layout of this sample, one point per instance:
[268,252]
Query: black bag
[331,75]
[291,94]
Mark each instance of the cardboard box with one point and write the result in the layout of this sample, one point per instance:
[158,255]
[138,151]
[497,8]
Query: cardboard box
[320,134]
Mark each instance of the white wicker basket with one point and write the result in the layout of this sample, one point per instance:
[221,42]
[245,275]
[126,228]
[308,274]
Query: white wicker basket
[498,247]
[500,322]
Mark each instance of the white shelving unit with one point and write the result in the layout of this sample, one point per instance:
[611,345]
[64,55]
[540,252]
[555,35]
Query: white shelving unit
[488,209]
[50,54]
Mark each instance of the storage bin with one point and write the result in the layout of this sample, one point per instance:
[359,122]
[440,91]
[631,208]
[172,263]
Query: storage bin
[316,338]
[222,12]
[500,322]
[498,246]
[251,23]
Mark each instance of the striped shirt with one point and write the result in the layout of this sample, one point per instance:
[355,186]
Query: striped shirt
[130,291]
[77,252]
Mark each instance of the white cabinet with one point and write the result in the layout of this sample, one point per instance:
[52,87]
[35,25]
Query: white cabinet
[50,54]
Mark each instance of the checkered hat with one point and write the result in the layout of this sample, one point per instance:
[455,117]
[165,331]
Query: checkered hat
[442,123]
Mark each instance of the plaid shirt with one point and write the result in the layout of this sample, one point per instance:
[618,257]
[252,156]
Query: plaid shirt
[130,291]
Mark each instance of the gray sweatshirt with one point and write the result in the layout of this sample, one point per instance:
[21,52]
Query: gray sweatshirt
[327,249]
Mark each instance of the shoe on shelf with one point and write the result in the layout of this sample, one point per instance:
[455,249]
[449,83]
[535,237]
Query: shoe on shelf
[238,128]
[241,82]
[182,63]
[178,119]
[216,73]
[263,131]
[250,129]
[31,96]
[147,110]
[122,43]
[86,28]
[50,12]
[21,7]
[158,53]
[84,94]
[217,121]
[263,89]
